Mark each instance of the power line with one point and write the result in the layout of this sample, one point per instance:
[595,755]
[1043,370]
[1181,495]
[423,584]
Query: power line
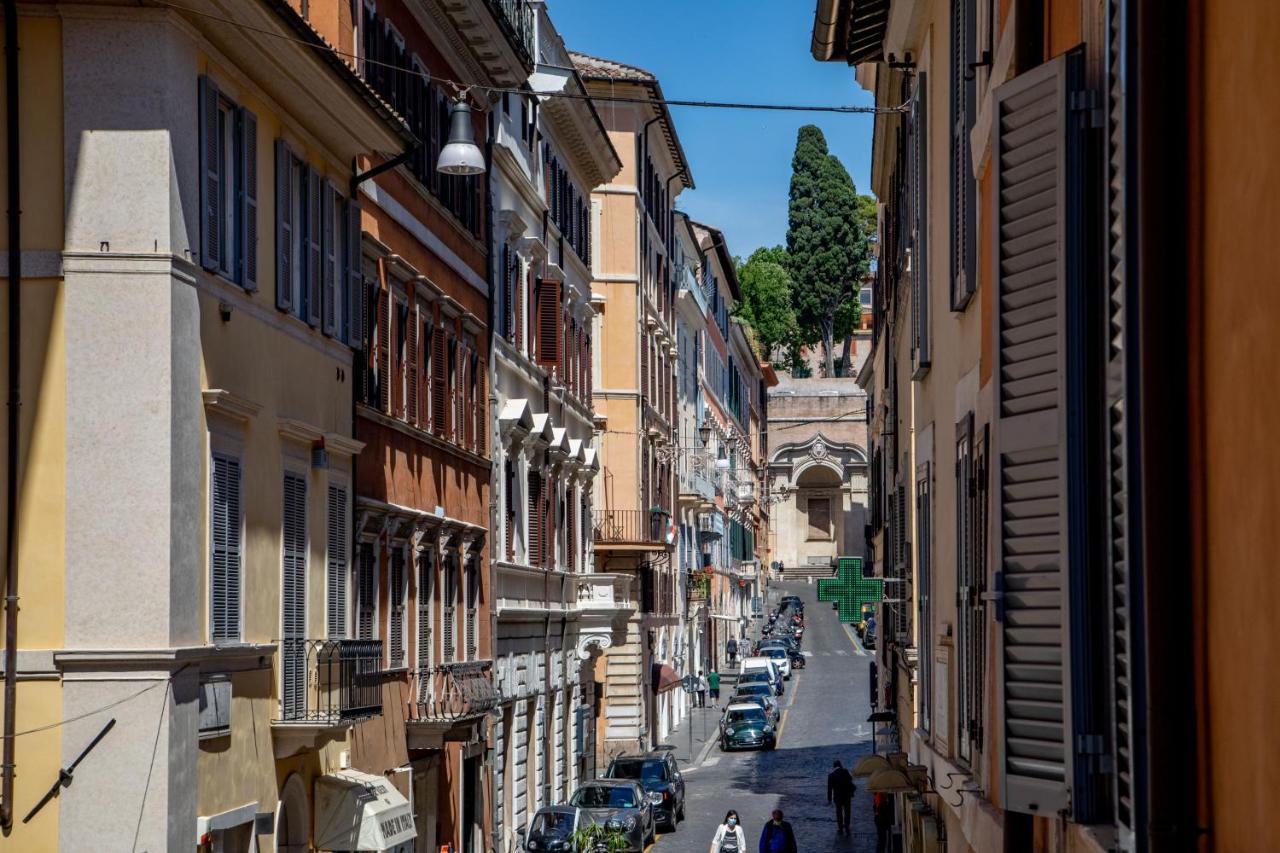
[462,88]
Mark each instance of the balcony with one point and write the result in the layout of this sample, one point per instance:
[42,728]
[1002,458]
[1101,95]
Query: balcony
[499,33]
[629,527]
[605,604]
[329,683]
[745,492]
[447,700]
[516,19]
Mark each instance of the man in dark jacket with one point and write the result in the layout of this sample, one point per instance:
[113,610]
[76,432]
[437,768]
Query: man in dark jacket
[840,791]
[777,837]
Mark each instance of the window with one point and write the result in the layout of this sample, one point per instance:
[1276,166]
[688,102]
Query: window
[426,569]
[473,599]
[366,605]
[225,560]
[963,192]
[397,592]
[337,567]
[293,597]
[215,707]
[924,592]
[918,169]
[228,187]
[448,637]
[819,514]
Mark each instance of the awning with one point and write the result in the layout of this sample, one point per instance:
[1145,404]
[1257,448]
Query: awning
[726,618]
[360,811]
[664,678]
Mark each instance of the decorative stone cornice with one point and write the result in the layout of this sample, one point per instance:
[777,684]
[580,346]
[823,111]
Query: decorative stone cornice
[342,445]
[300,431]
[220,402]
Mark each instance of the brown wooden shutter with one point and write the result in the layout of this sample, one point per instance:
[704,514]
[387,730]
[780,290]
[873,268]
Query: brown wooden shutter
[384,341]
[549,319]
[644,366]
[535,552]
[439,380]
[481,404]
[411,369]
[1031,436]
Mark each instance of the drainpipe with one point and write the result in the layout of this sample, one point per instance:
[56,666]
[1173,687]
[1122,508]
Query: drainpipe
[15,399]
[494,445]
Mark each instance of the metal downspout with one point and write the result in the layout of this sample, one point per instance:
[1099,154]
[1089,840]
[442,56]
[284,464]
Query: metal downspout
[15,401]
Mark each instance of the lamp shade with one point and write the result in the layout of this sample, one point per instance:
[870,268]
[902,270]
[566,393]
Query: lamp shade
[461,156]
[704,433]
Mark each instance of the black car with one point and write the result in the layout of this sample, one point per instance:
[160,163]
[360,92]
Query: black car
[745,726]
[552,828]
[658,774]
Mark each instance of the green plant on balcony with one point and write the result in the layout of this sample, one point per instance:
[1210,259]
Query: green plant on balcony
[699,585]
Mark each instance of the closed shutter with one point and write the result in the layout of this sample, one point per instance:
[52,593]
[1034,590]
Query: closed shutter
[395,618]
[524,286]
[329,253]
[439,381]
[473,601]
[426,569]
[448,647]
[963,193]
[512,510]
[644,367]
[353,322]
[919,230]
[535,553]
[337,535]
[590,373]
[284,226]
[480,403]
[293,617]
[570,527]
[249,201]
[225,548]
[1031,156]
[366,592]
[383,359]
[211,157]
[313,231]
[411,369]
[967,603]
[549,317]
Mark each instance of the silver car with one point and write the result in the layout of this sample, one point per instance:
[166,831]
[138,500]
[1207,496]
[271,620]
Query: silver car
[618,804]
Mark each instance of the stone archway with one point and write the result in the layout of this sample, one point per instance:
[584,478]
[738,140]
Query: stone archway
[293,817]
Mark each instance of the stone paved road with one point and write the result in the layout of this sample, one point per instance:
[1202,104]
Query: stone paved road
[826,709]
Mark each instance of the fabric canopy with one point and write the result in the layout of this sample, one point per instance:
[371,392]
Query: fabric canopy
[664,678]
[360,811]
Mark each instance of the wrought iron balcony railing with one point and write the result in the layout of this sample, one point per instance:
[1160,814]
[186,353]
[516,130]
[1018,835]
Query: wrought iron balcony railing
[452,692]
[628,525]
[516,18]
[330,682]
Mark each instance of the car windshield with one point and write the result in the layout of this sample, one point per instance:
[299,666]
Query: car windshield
[645,770]
[557,824]
[745,715]
[604,797]
[756,689]
[754,675]
[775,652]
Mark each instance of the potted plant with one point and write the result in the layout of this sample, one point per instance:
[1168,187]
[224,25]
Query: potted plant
[598,838]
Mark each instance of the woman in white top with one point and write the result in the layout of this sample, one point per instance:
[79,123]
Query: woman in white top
[729,837]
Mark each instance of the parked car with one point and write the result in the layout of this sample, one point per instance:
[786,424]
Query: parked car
[745,726]
[762,661]
[552,828]
[764,691]
[766,703]
[796,657]
[658,774]
[761,676]
[618,804]
[779,656]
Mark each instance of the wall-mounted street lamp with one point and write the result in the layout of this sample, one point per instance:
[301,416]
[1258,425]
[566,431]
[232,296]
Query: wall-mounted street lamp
[461,155]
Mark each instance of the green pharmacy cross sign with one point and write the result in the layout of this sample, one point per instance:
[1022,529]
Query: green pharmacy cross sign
[850,590]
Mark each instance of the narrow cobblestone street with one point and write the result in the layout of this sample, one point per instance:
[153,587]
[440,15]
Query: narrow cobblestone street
[824,718]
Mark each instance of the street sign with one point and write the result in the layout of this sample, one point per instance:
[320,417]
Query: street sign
[689,683]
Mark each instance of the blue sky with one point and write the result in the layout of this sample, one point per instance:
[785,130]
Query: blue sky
[731,50]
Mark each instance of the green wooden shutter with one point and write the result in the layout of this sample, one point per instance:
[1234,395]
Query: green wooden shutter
[249,201]
[963,192]
[312,230]
[285,230]
[330,254]
[226,557]
[211,177]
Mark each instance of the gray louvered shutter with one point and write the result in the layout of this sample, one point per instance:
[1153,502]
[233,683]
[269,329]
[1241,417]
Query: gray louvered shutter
[366,593]
[313,230]
[473,599]
[329,200]
[920,231]
[395,621]
[353,323]
[293,596]
[963,194]
[447,641]
[249,201]
[285,230]
[211,177]
[337,569]
[225,548]
[426,569]
[1031,436]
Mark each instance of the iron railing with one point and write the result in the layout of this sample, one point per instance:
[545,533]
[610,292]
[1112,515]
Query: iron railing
[453,691]
[516,18]
[628,525]
[330,682]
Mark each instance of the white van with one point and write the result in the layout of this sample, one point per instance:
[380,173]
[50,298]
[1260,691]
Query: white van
[774,667]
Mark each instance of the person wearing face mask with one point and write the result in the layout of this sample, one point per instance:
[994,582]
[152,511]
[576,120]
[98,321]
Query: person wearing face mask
[729,837]
[777,836]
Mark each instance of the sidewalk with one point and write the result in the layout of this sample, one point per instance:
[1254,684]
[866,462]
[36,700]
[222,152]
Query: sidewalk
[704,723]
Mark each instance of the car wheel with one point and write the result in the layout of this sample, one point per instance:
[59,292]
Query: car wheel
[680,813]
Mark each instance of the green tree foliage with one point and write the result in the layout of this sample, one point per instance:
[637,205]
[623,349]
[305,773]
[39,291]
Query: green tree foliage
[766,304]
[826,244]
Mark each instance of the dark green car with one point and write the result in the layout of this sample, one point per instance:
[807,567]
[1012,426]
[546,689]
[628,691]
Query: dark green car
[746,726]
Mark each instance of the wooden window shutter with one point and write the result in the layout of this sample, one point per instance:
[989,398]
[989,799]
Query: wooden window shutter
[293,599]
[481,404]
[1033,152]
[963,192]
[336,535]
[329,264]
[211,176]
[366,593]
[313,229]
[549,319]
[448,641]
[284,226]
[644,367]
[920,232]
[411,368]
[249,201]
[426,569]
[524,287]
[226,558]
[570,525]
[534,554]
[509,498]
[395,616]
[439,380]
[354,323]
[473,599]
[384,342]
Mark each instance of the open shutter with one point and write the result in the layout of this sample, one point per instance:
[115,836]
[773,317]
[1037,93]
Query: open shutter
[225,556]
[534,555]
[293,616]
[644,367]
[1032,439]
[312,230]
[448,647]
[284,226]
[249,201]
[481,407]
[395,621]
[337,534]
[366,593]
[425,576]
[473,597]
[211,157]
[963,194]
[439,381]
[329,254]
[384,342]
[353,322]
[549,324]
[920,233]
[411,369]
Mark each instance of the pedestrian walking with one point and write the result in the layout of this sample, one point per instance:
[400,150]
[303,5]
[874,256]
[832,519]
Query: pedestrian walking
[731,649]
[729,837]
[882,806]
[702,689]
[713,684]
[840,790]
[777,836]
